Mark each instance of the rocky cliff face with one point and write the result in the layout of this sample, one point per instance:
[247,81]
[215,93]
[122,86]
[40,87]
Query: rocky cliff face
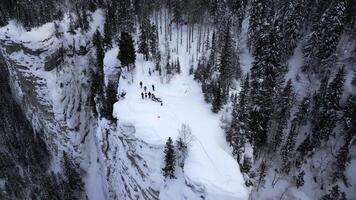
[49,136]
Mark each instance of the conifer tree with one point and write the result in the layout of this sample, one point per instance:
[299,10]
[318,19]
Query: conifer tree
[226,67]
[334,194]
[217,98]
[170,160]
[299,181]
[262,172]
[73,177]
[111,98]
[349,117]
[145,29]
[84,20]
[341,162]
[108,32]
[321,46]
[125,16]
[153,43]
[335,90]
[237,132]
[178,68]
[127,53]
[97,90]
[282,114]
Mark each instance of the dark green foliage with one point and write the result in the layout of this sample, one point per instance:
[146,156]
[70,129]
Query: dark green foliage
[127,53]
[321,46]
[349,117]
[299,181]
[334,194]
[125,17]
[73,178]
[227,68]
[341,162]
[217,98]
[83,19]
[281,115]
[238,130]
[145,32]
[97,76]
[335,90]
[28,13]
[169,159]
[111,98]
[262,172]
[303,149]
[108,31]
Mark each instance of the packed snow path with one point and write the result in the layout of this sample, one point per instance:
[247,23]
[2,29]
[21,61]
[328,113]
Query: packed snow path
[209,162]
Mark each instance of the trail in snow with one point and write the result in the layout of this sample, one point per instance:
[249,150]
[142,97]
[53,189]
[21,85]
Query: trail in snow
[209,162]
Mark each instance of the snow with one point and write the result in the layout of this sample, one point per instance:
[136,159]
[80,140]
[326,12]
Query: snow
[209,162]
[18,33]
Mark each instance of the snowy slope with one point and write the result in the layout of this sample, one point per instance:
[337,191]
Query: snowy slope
[209,162]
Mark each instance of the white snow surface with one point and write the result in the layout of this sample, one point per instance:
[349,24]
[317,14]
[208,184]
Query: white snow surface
[210,162]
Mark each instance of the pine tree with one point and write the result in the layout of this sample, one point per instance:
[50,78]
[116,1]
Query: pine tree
[226,67]
[262,172]
[299,181]
[321,46]
[97,90]
[170,160]
[301,116]
[125,16]
[291,18]
[127,53]
[322,122]
[282,114]
[178,68]
[153,43]
[335,90]
[260,18]
[108,32]
[341,162]
[288,148]
[217,98]
[111,98]
[334,194]
[349,117]
[145,29]
[303,149]
[84,20]
[182,143]
[73,177]
[237,133]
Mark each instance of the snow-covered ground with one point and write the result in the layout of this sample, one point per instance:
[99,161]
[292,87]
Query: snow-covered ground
[210,162]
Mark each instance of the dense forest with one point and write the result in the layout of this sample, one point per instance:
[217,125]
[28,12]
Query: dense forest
[282,124]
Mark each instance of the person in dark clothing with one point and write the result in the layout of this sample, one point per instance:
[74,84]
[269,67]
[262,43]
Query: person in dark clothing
[142,95]
[149,94]
[145,88]
[145,94]
[141,84]
[153,87]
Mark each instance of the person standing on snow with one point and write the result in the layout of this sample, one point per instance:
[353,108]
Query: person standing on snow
[153,87]
[141,84]
[145,94]
[142,95]
[145,88]
[149,94]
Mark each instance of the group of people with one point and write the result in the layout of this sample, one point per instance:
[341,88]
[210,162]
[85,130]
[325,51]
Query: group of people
[149,94]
